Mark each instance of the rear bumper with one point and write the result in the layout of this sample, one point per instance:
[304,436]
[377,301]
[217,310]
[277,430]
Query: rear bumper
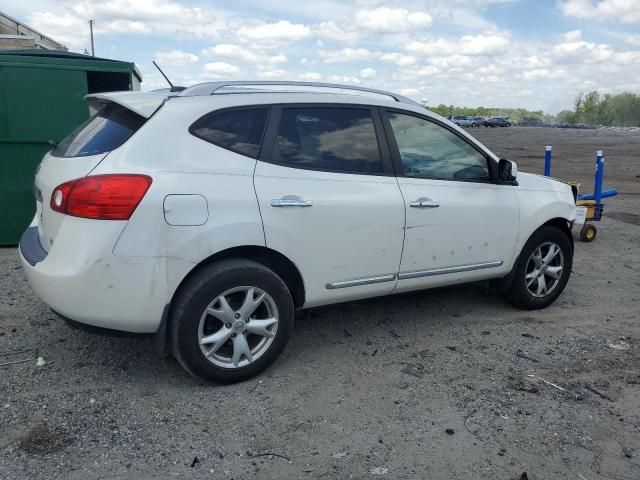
[30,247]
[82,280]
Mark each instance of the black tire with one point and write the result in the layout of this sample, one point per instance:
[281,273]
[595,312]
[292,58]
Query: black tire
[588,233]
[518,294]
[196,295]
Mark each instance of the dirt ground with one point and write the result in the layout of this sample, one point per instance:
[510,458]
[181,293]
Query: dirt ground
[445,384]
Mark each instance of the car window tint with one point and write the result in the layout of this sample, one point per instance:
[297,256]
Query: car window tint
[105,131]
[237,130]
[328,139]
[428,150]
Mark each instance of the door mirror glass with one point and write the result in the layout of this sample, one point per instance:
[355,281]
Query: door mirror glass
[507,170]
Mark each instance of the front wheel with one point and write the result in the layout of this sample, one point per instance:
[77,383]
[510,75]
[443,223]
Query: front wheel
[543,269]
[230,321]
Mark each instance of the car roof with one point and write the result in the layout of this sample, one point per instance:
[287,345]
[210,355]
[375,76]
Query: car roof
[261,86]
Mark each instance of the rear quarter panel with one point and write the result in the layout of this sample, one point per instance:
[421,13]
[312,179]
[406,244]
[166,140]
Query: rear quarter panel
[181,163]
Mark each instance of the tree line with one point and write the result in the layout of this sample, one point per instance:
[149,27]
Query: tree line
[621,110]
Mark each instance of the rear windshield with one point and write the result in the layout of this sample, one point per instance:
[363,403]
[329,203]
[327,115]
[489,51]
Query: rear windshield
[105,131]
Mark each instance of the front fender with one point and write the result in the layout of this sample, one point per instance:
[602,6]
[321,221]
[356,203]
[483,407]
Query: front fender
[538,207]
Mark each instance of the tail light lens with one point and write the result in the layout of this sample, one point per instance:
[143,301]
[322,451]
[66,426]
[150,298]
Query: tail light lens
[102,197]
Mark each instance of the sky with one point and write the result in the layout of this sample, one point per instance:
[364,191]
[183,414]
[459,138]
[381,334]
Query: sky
[536,54]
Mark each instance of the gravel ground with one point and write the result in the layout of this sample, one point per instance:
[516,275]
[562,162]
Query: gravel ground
[449,383]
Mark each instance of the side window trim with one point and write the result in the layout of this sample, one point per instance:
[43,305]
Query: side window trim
[395,151]
[220,111]
[273,123]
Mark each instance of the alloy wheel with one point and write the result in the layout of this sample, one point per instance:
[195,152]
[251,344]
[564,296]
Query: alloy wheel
[238,327]
[544,269]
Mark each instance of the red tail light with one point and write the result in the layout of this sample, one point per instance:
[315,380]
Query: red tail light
[103,197]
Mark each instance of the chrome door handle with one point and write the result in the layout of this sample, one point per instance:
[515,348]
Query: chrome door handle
[290,202]
[424,203]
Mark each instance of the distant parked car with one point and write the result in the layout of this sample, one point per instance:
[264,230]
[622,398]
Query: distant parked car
[464,121]
[497,122]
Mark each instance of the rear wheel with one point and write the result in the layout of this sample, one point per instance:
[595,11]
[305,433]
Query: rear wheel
[543,269]
[230,321]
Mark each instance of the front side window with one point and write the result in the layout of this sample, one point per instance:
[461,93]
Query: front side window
[328,139]
[105,131]
[237,130]
[428,150]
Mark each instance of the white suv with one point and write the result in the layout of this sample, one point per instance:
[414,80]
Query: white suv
[208,216]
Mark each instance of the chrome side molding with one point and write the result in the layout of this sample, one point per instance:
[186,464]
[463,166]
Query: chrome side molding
[361,281]
[445,270]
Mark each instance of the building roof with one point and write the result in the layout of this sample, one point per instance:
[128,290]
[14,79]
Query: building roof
[42,56]
[22,30]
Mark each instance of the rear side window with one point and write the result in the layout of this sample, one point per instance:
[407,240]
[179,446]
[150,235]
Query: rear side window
[328,139]
[237,130]
[105,131]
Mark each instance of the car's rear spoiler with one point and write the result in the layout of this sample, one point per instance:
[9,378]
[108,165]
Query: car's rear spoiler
[142,103]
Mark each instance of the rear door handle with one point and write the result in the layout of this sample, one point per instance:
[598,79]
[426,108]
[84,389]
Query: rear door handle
[291,202]
[424,202]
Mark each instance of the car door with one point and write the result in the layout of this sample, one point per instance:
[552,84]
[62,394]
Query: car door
[330,201]
[460,224]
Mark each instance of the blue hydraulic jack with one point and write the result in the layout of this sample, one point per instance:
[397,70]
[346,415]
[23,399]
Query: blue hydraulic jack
[589,207]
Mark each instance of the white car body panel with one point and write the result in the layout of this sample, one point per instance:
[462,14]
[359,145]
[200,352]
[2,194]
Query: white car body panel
[480,242]
[123,274]
[347,210]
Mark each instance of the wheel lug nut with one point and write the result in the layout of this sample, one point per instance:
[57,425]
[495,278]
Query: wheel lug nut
[247,320]
[228,325]
[233,335]
[237,315]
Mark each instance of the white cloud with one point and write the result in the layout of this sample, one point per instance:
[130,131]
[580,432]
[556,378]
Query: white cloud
[576,50]
[266,73]
[176,57]
[427,71]
[543,73]
[624,11]
[343,79]
[332,31]
[348,55]
[220,69]
[391,20]
[242,54]
[310,77]
[450,62]
[490,44]
[281,31]
[68,22]
[633,40]
[398,58]
[63,28]
[368,72]
[573,36]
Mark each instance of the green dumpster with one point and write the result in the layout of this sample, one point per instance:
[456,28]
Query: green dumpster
[42,99]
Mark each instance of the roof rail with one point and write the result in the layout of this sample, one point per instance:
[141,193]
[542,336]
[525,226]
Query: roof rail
[210,88]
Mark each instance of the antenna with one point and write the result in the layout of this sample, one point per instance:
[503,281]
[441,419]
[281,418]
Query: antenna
[165,77]
[173,88]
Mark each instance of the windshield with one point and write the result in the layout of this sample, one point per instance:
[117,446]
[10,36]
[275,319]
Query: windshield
[105,131]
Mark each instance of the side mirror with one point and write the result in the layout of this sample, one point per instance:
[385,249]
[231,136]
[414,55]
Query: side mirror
[507,171]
